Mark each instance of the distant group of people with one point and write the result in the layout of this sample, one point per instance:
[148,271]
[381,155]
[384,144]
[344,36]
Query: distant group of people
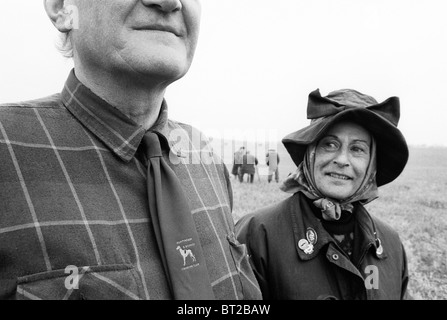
[246,163]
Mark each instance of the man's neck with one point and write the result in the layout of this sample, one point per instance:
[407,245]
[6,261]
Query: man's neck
[139,100]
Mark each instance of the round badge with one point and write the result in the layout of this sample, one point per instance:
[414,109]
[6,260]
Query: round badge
[303,244]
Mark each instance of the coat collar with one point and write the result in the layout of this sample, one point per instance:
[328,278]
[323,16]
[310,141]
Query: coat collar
[306,226]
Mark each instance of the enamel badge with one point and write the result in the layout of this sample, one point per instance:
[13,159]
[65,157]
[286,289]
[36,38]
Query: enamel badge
[307,247]
[311,236]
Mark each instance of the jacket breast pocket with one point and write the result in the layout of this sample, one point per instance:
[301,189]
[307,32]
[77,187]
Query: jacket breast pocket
[107,282]
[250,286]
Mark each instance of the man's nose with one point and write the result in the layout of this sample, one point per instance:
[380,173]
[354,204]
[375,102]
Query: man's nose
[164,5]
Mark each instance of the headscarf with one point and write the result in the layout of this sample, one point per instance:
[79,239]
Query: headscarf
[303,179]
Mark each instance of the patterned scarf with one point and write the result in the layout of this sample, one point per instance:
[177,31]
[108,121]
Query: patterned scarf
[303,179]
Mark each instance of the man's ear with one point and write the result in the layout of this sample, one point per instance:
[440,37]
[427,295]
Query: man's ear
[63,17]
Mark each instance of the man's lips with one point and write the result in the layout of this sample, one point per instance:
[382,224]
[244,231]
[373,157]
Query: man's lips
[164,28]
[338,176]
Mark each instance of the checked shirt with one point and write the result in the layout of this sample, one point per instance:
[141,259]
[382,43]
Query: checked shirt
[73,201]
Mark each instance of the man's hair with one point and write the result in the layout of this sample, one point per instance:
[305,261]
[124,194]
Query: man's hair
[64,45]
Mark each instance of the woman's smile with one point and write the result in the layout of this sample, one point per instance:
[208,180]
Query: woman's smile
[338,176]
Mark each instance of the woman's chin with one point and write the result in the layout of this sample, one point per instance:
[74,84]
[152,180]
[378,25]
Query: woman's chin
[338,195]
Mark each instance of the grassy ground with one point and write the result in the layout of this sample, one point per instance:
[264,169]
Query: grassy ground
[415,204]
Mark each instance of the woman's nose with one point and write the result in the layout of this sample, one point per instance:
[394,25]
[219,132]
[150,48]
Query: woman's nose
[341,159]
[164,5]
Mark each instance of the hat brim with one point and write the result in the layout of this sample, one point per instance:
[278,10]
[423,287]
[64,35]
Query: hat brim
[392,149]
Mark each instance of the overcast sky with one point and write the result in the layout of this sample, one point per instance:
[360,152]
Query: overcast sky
[258,60]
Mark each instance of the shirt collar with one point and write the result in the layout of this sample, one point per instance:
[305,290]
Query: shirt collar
[116,130]
[307,223]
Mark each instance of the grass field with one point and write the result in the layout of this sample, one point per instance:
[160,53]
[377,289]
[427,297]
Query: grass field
[415,204]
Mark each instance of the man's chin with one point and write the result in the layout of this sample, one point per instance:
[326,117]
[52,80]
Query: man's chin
[161,71]
[172,61]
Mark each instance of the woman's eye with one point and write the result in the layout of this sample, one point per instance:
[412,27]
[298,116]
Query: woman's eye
[358,149]
[330,145]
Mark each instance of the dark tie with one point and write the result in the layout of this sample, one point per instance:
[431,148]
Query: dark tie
[174,227]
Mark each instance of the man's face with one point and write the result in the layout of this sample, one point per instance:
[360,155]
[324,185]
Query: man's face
[147,38]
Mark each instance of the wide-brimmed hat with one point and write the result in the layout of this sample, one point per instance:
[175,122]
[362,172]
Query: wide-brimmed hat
[380,119]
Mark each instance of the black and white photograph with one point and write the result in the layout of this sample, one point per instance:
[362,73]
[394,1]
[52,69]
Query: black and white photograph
[202,150]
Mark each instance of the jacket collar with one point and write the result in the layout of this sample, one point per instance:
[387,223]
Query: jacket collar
[306,226]
[117,131]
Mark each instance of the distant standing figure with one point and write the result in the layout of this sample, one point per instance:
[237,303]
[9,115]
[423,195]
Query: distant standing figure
[249,162]
[237,161]
[272,160]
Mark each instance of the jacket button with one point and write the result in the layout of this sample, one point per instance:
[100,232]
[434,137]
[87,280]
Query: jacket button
[335,257]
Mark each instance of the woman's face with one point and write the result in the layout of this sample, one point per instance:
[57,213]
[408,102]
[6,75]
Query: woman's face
[341,160]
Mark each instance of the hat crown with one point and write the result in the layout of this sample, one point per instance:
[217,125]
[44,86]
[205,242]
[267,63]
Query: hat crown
[351,98]
[348,99]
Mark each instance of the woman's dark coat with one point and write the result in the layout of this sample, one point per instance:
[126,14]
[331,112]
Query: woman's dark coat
[286,272]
